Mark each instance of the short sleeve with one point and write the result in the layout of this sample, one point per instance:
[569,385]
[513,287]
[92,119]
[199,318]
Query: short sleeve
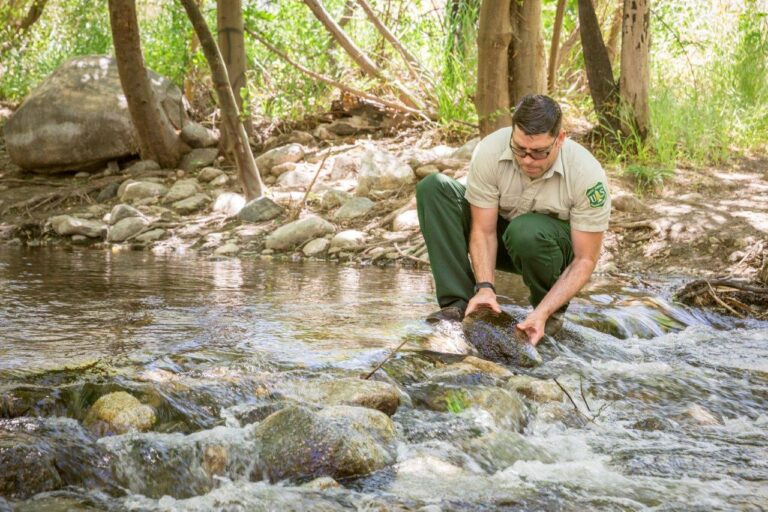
[482,186]
[592,199]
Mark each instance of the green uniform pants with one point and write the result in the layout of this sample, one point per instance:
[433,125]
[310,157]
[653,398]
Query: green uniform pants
[534,245]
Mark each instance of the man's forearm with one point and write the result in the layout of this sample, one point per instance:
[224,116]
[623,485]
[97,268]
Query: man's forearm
[567,286]
[482,251]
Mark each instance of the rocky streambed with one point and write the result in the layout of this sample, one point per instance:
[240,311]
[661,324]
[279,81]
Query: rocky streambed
[132,381]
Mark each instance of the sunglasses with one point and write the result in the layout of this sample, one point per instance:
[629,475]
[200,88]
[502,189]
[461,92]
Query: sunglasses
[536,154]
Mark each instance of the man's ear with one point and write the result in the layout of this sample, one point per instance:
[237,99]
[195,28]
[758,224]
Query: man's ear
[561,136]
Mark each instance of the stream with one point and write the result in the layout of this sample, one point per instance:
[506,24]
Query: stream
[677,397]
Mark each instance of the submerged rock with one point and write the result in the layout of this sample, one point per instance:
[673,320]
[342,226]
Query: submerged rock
[338,442]
[535,389]
[45,454]
[348,391]
[494,336]
[118,413]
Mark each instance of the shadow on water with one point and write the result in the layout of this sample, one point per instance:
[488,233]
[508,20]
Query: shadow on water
[216,346]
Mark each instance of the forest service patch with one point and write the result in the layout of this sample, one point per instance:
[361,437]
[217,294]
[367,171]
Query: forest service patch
[597,195]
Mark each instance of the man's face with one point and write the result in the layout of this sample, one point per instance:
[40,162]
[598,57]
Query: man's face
[531,146]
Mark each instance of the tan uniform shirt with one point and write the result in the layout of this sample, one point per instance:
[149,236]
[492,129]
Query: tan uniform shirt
[575,188]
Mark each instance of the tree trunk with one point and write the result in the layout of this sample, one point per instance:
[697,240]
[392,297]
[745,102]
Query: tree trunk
[527,57]
[357,55]
[635,74]
[602,86]
[229,24]
[554,46]
[613,35]
[158,139]
[493,38]
[247,171]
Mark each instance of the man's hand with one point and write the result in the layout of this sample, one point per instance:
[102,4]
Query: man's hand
[484,298]
[533,327]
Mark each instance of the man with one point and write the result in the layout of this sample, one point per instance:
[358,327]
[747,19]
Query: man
[536,204]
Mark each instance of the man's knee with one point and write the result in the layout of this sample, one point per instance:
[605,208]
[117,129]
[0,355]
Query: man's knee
[526,237]
[431,185]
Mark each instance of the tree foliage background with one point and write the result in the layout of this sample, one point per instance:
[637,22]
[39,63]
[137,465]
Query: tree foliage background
[709,81]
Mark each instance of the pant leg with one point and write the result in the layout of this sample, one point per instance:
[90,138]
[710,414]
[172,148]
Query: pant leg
[540,248]
[444,218]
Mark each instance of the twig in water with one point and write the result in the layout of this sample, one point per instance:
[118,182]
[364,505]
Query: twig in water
[719,301]
[581,390]
[386,359]
[408,256]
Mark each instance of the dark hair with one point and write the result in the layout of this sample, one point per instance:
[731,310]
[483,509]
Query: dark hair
[537,113]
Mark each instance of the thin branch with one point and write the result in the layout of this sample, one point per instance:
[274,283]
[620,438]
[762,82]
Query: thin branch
[389,356]
[334,83]
[312,183]
[719,301]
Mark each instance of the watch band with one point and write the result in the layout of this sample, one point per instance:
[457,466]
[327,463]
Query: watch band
[484,284]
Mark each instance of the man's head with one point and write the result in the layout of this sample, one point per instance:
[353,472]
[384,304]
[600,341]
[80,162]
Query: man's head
[536,134]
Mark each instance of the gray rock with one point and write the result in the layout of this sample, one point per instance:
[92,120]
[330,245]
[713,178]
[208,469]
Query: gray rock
[296,136]
[198,136]
[182,189]
[382,173]
[119,413]
[425,170]
[260,210]
[197,158]
[353,209]
[228,249]
[343,167]
[82,175]
[126,228]
[283,168]
[123,211]
[316,247]
[298,232]
[229,203]
[333,198]
[297,179]
[628,203]
[191,204]
[151,236]
[139,190]
[348,240]
[108,192]
[142,166]
[449,163]
[220,181]
[465,151]
[66,225]
[78,117]
[288,153]
[338,442]
[209,173]
[406,221]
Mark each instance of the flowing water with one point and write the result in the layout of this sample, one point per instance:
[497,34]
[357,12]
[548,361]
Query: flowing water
[678,396]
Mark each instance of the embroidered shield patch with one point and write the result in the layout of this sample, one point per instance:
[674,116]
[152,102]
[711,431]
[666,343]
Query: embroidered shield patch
[597,195]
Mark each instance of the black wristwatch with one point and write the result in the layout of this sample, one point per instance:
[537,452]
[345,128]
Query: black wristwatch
[484,284]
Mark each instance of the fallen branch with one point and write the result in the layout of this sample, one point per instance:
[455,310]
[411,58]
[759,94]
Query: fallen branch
[317,76]
[312,183]
[389,356]
[391,216]
[634,225]
[719,301]
[409,257]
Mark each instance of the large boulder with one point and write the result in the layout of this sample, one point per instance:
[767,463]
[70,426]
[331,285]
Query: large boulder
[382,173]
[297,232]
[65,225]
[339,442]
[78,117]
[377,395]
